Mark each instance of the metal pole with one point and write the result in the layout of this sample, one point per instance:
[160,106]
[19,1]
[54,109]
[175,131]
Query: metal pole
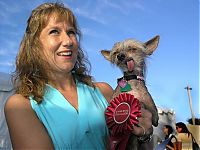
[190,102]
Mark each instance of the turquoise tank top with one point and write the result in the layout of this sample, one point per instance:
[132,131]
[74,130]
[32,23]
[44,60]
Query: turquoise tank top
[69,128]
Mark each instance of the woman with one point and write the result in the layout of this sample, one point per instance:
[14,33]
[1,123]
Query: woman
[168,130]
[184,136]
[57,105]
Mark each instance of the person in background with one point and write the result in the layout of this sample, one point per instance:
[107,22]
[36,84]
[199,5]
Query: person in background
[168,132]
[6,90]
[57,104]
[184,136]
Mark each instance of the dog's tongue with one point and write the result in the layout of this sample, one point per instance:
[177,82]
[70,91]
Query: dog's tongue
[130,65]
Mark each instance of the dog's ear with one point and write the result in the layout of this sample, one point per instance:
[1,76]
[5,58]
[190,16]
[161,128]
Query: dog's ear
[152,44]
[106,54]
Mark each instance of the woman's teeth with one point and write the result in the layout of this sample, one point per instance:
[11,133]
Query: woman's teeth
[65,54]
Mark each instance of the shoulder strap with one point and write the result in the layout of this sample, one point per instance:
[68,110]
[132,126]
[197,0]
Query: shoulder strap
[173,136]
[193,139]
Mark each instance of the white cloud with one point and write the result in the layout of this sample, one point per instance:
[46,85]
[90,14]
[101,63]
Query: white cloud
[89,15]
[3,52]
[10,49]
[7,9]
[6,12]
[125,7]
[7,64]
[101,11]
[87,31]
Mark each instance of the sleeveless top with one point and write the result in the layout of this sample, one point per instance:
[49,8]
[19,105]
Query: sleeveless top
[69,128]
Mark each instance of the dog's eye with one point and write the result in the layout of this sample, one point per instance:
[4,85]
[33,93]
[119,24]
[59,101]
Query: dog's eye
[132,49]
[115,53]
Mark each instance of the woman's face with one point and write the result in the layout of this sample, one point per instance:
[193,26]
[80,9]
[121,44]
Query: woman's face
[178,129]
[165,130]
[59,44]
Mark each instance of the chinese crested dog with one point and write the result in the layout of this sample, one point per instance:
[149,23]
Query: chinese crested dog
[129,56]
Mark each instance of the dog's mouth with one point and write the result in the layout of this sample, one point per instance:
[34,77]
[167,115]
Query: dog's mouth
[126,64]
[130,65]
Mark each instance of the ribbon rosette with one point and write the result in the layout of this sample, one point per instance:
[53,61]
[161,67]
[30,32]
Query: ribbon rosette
[122,114]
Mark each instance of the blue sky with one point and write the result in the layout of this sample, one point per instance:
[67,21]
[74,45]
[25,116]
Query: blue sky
[173,66]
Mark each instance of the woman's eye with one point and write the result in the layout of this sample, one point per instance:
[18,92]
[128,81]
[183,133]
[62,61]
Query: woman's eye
[69,33]
[54,32]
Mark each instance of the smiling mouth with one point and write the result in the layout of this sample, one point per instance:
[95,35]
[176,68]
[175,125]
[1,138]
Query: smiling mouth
[69,53]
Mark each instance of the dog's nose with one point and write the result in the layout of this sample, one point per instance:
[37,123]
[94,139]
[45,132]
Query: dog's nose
[120,57]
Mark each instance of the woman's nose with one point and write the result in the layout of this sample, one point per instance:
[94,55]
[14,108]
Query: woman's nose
[66,40]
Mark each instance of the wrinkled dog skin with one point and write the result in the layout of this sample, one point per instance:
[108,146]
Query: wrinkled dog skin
[129,56]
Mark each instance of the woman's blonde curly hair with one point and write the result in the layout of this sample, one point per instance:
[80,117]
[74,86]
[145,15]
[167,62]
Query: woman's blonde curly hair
[31,68]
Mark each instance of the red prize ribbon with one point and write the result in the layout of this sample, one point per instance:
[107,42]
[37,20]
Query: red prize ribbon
[121,116]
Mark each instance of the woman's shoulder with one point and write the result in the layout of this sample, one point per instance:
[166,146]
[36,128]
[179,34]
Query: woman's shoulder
[102,84]
[21,118]
[184,137]
[16,101]
[105,89]
[17,109]
[183,134]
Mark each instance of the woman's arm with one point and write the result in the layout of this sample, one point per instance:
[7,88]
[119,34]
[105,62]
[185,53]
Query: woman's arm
[26,130]
[105,89]
[171,148]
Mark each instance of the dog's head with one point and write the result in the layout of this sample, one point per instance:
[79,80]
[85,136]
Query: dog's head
[129,55]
